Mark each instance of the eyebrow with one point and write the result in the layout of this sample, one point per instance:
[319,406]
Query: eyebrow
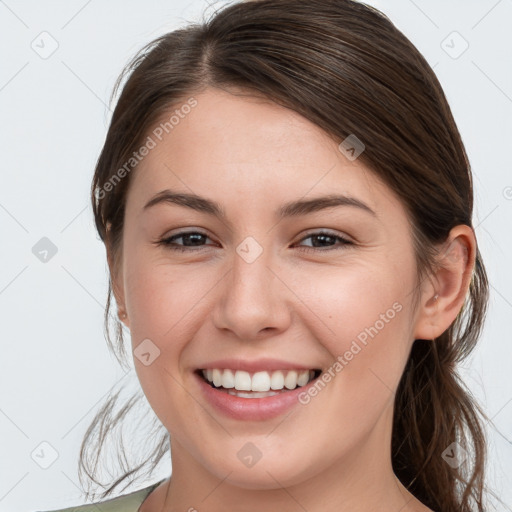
[290,209]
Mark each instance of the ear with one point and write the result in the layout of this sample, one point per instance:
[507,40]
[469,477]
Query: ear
[444,294]
[116,277]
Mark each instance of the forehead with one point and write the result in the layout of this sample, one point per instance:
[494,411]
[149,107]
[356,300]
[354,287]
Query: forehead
[241,146]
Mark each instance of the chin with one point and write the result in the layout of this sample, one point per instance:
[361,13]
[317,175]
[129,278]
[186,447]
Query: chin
[271,471]
[263,479]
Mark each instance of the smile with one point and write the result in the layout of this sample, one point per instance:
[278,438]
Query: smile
[253,394]
[257,384]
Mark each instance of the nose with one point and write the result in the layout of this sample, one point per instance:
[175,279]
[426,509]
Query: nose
[254,300]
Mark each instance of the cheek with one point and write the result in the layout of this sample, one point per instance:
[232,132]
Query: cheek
[362,316]
[162,299]
[166,304]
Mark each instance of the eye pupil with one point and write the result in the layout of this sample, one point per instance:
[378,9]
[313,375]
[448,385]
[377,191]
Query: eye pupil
[197,236]
[322,237]
[322,242]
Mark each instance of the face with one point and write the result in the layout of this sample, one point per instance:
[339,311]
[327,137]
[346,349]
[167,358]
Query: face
[255,292]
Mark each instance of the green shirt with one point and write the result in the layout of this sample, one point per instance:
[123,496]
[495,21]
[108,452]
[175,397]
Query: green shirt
[126,503]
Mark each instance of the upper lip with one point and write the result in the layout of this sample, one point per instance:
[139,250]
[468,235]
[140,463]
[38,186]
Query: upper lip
[255,365]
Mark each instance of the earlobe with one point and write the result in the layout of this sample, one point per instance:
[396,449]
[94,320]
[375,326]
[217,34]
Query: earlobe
[447,289]
[119,297]
[123,317]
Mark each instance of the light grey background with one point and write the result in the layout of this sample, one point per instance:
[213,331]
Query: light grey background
[55,367]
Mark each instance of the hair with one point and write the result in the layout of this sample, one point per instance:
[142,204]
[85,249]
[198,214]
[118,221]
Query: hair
[344,66]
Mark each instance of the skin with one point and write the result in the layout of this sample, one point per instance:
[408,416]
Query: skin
[251,156]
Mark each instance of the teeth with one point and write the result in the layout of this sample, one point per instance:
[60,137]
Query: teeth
[277,380]
[217,377]
[259,382]
[228,379]
[252,394]
[290,381]
[242,381]
[303,378]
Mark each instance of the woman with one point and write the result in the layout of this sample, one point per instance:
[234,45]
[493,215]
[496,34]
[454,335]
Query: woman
[286,205]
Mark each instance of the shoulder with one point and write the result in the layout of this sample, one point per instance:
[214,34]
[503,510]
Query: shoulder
[127,503]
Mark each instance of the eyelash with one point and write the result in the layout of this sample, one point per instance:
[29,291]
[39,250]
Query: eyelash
[168,242]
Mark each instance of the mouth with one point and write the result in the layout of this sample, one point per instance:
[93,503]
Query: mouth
[259,384]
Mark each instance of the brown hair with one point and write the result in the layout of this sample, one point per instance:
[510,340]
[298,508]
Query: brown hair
[344,66]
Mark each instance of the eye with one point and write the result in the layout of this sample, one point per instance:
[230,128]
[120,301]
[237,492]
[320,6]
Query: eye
[324,239]
[192,241]
[194,237]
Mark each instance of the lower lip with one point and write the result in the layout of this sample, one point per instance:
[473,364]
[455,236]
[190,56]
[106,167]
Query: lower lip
[252,409]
